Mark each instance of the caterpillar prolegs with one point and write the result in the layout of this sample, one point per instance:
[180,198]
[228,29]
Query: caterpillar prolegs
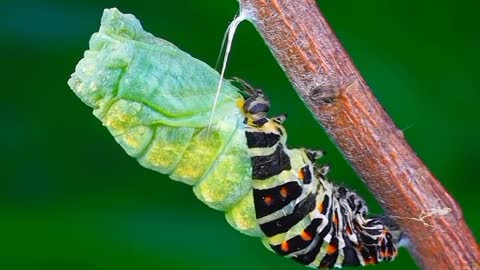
[156,99]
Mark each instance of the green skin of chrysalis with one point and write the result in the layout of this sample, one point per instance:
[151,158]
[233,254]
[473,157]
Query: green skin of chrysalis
[156,101]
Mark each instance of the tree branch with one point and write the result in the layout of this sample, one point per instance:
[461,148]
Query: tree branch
[331,86]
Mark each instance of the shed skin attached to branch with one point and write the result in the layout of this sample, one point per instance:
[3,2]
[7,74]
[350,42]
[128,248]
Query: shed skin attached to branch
[331,86]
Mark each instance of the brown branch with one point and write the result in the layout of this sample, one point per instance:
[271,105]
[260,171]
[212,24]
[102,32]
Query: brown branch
[331,86]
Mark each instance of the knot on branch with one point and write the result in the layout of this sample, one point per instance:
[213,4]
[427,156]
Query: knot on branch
[329,91]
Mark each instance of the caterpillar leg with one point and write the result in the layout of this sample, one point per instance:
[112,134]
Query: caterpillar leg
[280,118]
[245,86]
[314,155]
[324,170]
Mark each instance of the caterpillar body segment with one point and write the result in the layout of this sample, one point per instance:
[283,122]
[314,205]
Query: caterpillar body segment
[302,215]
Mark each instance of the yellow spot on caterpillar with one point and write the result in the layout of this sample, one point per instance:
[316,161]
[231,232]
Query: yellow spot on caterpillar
[240,104]
[285,246]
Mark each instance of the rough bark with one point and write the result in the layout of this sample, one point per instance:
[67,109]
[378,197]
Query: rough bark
[333,89]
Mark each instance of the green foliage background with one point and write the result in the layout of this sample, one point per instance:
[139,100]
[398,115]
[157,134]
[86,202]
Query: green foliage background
[70,198]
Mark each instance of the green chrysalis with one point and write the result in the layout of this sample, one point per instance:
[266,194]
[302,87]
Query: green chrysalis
[155,100]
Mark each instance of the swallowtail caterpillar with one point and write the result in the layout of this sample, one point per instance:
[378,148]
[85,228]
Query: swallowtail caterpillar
[155,100]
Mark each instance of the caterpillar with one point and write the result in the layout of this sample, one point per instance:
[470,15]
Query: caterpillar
[302,215]
[155,100]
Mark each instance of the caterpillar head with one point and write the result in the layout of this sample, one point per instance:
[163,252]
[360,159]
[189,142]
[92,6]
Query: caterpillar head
[256,105]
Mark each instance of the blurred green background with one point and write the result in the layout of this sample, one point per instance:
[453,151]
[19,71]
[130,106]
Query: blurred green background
[70,198]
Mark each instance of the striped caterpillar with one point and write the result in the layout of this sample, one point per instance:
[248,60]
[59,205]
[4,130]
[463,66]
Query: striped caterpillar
[155,100]
[302,215]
